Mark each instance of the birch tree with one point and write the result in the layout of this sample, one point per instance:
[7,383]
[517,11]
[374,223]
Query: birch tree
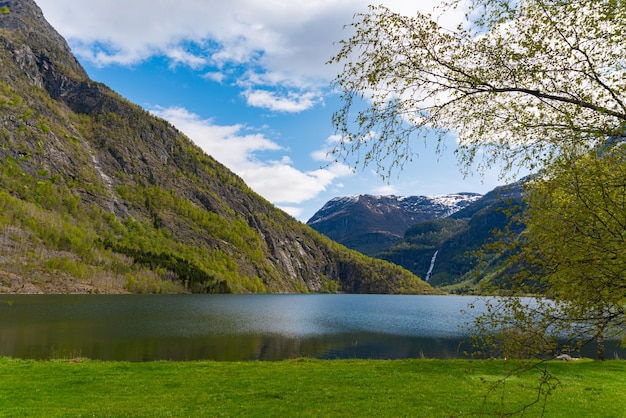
[516,82]
[538,84]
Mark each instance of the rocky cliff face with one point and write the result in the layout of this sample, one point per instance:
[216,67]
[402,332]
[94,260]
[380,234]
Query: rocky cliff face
[371,224]
[98,195]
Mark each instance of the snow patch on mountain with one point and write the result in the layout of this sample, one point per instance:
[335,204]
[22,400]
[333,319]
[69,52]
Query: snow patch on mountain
[437,205]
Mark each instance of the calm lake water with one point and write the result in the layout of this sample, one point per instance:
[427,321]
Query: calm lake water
[233,327]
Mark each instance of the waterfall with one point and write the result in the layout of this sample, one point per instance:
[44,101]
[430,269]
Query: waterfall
[432,266]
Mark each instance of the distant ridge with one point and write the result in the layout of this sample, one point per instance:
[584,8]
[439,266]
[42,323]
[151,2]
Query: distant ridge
[443,250]
[435,237]
[371,224]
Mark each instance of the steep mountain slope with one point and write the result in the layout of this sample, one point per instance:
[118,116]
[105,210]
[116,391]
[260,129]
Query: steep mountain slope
[97,195]
[441,250]
[371,224]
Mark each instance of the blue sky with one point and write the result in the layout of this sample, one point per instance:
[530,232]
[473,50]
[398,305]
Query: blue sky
[247,81]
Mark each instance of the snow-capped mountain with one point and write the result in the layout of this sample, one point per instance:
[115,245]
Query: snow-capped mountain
[370,224]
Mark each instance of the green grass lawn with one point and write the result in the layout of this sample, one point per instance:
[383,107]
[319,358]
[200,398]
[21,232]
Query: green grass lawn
[361,388]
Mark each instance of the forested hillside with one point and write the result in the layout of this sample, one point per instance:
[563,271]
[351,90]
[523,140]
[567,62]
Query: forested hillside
[97,195]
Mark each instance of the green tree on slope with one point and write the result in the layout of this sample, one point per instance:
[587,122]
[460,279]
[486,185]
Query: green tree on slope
[576,235]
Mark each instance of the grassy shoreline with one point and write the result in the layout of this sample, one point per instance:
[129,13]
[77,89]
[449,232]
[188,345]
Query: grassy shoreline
[433,388]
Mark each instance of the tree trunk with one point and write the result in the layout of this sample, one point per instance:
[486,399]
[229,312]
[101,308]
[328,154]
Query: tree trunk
[600,341]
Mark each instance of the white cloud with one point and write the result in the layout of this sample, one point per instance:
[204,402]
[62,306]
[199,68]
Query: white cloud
[292,103]
[224,143]
[324,154]
[294,211]
[178,55]
[276,180]
[386,189]
[282,43]
[216,76]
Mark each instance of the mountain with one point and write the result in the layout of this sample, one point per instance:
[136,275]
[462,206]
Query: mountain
[442,250]
[98,195]
[371,224]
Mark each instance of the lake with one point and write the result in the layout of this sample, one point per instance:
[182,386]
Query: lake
[233,327]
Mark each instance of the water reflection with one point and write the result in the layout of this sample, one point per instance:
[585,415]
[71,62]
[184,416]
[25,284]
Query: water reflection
[233,327]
